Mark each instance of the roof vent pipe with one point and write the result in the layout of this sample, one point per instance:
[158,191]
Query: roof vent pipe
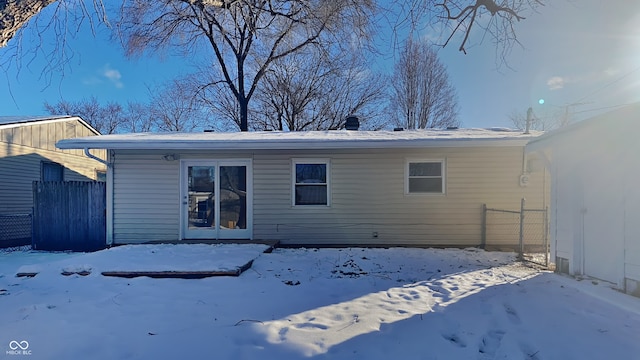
[352,123]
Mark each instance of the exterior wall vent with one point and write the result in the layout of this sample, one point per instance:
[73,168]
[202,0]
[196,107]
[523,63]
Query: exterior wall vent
[398,129]
[352,123]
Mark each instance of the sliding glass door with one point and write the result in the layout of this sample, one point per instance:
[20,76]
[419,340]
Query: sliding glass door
[216,199]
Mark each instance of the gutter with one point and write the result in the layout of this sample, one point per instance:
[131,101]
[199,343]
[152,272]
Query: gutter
[283,144]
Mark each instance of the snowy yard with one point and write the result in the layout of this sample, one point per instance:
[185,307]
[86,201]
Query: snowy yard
[307,303]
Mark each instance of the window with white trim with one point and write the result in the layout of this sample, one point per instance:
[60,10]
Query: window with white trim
[310,182]
[424,177]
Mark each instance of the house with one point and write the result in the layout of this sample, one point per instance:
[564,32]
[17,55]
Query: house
[374,188]
[595,201]
[27,154]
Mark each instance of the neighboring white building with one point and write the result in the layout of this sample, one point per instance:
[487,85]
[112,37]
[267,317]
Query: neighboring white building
[381,188]
[595,200]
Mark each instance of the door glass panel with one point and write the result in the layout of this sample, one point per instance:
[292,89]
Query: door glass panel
[201,192]
[233,197]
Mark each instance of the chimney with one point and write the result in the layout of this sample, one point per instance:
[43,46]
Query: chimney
[352,123]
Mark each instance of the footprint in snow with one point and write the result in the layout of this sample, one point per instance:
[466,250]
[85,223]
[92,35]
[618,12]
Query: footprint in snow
[455,340]
[490,344]
[512,314]
[530,353]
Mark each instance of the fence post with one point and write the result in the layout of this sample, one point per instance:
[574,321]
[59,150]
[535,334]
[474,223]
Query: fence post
[546,237]
[521,255]
[483,239]
[33,244]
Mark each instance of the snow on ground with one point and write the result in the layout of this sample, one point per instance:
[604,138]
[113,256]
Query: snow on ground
[326,303]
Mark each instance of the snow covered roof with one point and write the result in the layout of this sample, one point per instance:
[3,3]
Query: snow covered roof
[13,121]
[339,139]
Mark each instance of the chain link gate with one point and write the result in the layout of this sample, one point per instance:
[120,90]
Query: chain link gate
[524,231]
[15,230]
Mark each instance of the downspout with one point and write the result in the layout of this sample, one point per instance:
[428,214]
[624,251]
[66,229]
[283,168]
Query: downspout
[109,210]
[91,156]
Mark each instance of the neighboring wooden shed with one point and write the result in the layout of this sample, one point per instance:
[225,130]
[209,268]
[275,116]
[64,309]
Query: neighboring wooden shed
[595,201]
[28,153]
[382,188]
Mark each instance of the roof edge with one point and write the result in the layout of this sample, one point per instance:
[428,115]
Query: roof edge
[46,120]
[287,145]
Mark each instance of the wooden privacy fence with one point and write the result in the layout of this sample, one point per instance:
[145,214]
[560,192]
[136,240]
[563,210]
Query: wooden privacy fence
[69,215]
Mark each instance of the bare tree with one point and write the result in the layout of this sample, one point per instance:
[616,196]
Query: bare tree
[422,95]
[548,120]
[457,15]
[173,107]
[112,116]
[106,119]
[313,91]
[219,102]
[138,118]
[245,36]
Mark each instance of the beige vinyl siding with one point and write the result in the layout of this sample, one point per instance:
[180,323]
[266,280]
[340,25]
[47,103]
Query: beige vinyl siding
[146,199]
[367,195]
[23,149]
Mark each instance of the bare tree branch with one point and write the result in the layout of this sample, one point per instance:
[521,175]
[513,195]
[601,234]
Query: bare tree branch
[313,91]
[463,17]
[423,97]
[15,14]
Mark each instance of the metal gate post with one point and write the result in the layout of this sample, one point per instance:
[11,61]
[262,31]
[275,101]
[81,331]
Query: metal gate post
[521,255]
[546,237]
[483,241]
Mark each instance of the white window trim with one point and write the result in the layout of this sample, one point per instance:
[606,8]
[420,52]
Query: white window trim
[294,162]
[444,177]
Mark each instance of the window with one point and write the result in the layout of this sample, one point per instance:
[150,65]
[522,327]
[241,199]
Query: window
[311,182]
[101,175]
[51,171]
[425,177]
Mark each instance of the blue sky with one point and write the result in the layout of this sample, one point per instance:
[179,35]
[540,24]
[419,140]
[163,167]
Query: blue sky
[585,52]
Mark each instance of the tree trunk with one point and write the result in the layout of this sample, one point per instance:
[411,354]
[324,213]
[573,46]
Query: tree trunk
[14,14]
[244,114]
